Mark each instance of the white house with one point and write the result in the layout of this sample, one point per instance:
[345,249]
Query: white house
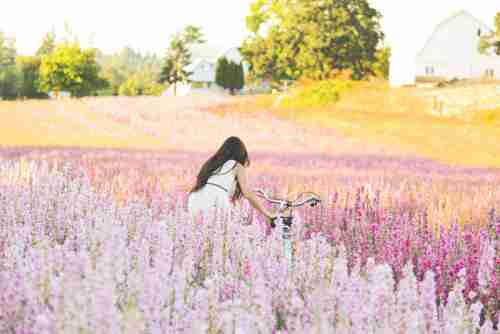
[203,68]
[202,71]
[452,51]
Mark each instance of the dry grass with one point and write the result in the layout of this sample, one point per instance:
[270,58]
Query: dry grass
[403,120]
[370,119]
[155,123]
[64,124]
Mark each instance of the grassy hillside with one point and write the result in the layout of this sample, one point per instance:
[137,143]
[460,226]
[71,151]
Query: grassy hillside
[404,120]
[368,119]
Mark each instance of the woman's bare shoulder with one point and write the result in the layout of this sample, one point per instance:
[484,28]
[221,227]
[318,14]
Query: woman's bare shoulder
[239,168]
[238,165]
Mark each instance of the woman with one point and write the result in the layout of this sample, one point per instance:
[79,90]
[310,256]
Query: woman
[223,179]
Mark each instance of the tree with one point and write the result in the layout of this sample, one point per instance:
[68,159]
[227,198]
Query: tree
[240,76]
[7,51]
[119,67]
[9,83]
[491,41]
[229,75]
[496,42]
[221,73]
[69,68]
[381,66]
[141,83]
[29,69]
[48,44]
[303,38]
[9,76]
[179,56]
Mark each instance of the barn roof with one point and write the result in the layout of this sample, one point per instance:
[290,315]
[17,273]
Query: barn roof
[462,13]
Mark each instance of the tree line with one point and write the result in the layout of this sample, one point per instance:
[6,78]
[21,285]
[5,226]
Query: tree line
[289,40]
[66,66]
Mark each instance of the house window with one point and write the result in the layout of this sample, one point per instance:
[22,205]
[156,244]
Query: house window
[429,70]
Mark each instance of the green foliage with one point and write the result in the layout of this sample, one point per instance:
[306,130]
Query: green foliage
[316,94]
[304,38]
[141,83]
[70,68]
[491,41]
[221,72]
[9,75]
[496,43]
[154,88]
[381,66]
[497,23]
[239,76]
[10,82]
[131,87]
[48,45]
[7,51]
[229,75]
[126,64]
[29,69]
[178,56]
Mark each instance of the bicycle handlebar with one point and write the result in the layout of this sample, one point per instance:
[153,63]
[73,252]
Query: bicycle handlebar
[313,199]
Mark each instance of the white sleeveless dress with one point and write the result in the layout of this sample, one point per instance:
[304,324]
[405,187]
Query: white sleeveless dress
[217,192]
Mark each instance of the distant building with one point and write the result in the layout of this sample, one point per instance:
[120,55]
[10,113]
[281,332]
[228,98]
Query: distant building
[202,72]
[203,68]
[451,52]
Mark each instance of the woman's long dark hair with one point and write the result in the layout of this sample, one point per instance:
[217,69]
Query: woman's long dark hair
[232,149]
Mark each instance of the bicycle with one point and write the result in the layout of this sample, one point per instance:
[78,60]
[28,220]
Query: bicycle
[287,221]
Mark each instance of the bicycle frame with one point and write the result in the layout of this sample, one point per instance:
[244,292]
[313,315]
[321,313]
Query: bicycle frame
[286,222]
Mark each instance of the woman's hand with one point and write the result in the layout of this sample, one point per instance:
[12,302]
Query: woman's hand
[270,216]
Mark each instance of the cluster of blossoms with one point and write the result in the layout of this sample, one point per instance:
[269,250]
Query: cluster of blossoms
[96,248]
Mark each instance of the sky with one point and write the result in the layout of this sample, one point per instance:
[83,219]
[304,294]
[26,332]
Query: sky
[147,24]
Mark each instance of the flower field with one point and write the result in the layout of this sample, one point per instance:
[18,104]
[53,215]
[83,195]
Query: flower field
[99,241]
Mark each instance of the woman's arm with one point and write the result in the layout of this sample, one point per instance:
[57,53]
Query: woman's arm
[249,194]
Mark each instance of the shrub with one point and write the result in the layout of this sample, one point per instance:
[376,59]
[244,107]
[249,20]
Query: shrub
[316,94]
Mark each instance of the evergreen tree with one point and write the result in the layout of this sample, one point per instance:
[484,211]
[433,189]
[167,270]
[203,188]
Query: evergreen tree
[221,72]
[29,69]
[48,44]
[229,75]
[9,75]
[179,56]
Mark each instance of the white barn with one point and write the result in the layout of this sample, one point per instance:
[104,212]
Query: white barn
[452,51]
